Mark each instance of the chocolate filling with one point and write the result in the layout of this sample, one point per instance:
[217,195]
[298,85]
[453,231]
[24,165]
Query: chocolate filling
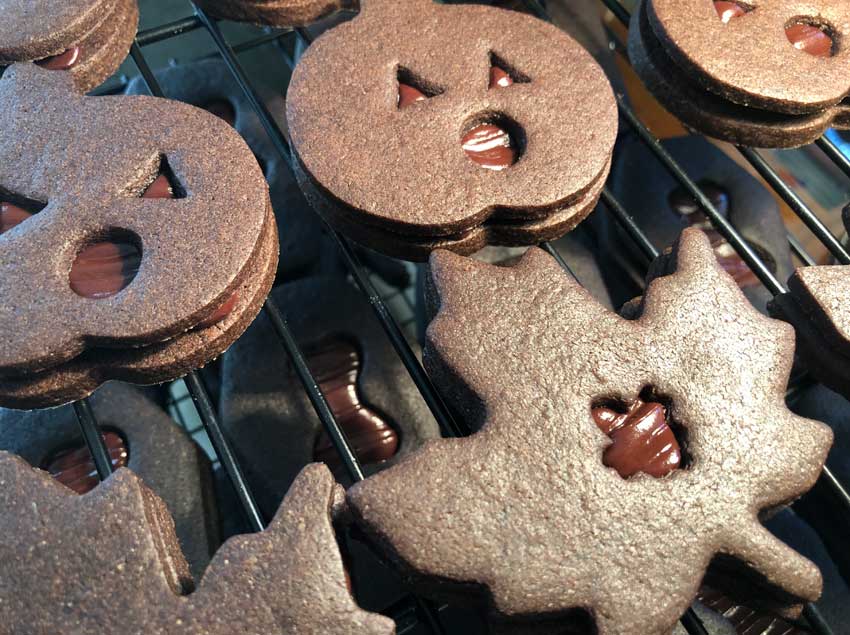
[336,365]
[64,61]
[643,437]
[74,466]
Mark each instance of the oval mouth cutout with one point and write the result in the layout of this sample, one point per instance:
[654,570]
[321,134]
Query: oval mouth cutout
[493,142]
[104,268]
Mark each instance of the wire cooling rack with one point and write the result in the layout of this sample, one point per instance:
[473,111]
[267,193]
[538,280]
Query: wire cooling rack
[412,612]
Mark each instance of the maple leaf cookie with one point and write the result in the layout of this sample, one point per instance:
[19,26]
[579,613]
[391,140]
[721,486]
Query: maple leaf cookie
[542,509]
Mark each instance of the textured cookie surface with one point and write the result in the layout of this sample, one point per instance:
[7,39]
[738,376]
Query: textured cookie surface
[816,304]
[749,59]
[274,12]
[663,208]
[88,38]
[402,167]
[153,447]
[82,165]
[528,502]
[210,85]
[681,91]
[108,562]
[265,409]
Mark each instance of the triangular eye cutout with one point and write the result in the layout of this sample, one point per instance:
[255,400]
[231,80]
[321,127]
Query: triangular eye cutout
[165,185]
[15,209]
[503,74]
[412,88]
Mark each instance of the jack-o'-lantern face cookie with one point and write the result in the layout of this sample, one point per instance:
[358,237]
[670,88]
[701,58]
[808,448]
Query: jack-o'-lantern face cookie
[275,12]
[763,72]
[604,446]
[209,85]
[88,38]
[456,126]
[128,250]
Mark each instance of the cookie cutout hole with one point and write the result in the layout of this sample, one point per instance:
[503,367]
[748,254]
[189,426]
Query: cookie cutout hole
[64,61]
[503,74]
[14,210]
[222,109]
[165,184]
[105,267]
[811,36]
[644,438]
[728,11]
[74,467]
[412,88]
[336,364]
[493,142]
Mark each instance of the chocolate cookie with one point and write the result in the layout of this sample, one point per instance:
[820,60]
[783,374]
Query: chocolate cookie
[816,304]
[452,130]
[139,435]
[663,208]
[267,415]
[578,249]
[580,253]
[116,217]
[108,562]
[89,38]
[770,75]
[210,85]
[565,389]
[275,12]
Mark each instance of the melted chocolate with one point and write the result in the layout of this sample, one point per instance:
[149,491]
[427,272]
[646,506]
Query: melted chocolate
[686,205]
[499,78]
[74,467]
[490,146]
[336,365]
[408,94]
[728,10]
[641,439]
[11,215]
[810,39]
[104,268]
[160,188]
[222,312]
[65,60]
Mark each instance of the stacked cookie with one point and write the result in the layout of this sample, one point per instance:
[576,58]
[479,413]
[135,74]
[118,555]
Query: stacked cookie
[620,464]
[113,219]
[768,75]
[88,38]
[459,136]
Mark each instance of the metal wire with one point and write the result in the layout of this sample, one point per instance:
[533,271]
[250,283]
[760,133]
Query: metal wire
[449,426]
[93,438]
[797,205]
[225,453]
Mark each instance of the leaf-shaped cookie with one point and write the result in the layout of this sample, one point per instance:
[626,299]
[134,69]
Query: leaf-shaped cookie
[817,305]
[108,562]
[527,510]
